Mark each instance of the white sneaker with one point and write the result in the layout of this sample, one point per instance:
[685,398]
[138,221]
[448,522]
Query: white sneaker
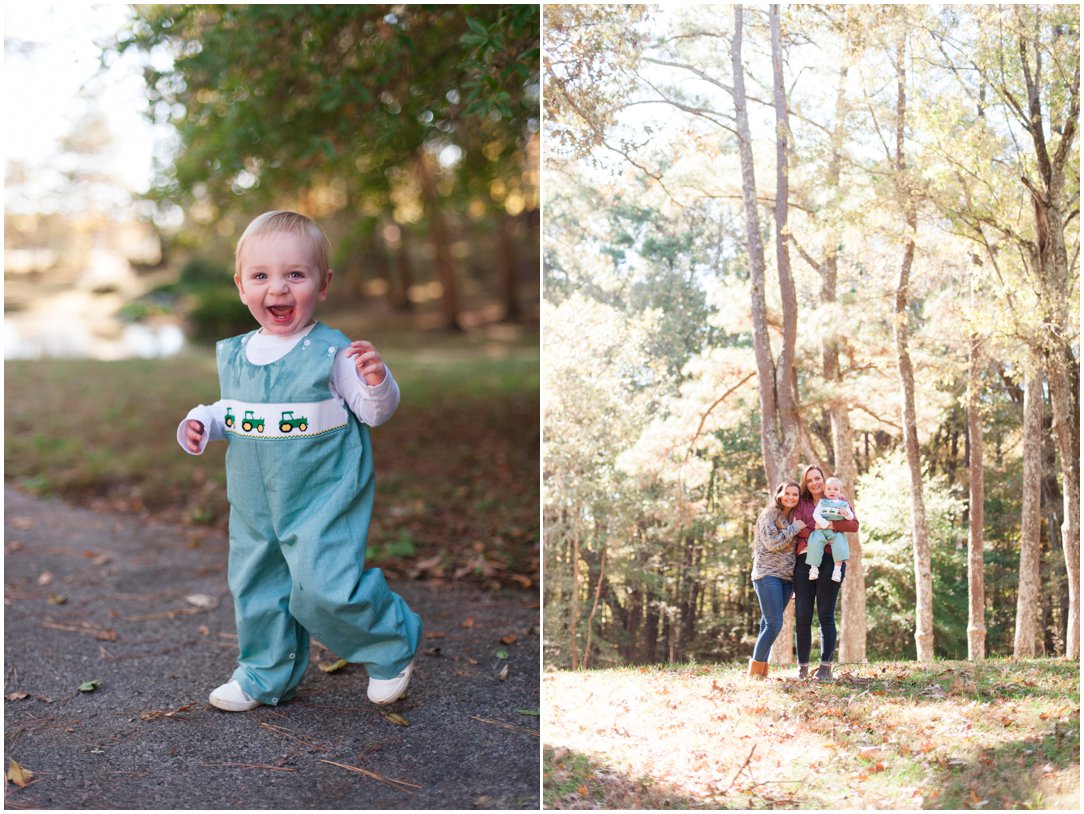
[814,572]
[837,574]
[232,698]
[386,690]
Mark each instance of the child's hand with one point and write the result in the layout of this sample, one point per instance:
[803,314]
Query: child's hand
[193,435]
[822,525]
[368,361]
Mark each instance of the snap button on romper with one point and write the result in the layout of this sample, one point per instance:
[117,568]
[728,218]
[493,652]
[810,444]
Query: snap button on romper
[300,485]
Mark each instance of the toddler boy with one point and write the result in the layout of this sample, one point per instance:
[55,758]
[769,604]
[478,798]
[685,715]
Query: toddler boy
[830,507]
[297,400]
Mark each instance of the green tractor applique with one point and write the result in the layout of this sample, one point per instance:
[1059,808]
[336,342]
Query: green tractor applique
[230,417]
[248,422]
[288,422]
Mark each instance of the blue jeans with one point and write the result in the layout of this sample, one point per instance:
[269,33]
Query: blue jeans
[824,592]
[773,594]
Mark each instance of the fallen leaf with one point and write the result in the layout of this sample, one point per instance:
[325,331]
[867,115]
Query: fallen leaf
[432,651]
[201,600]
[90,686]
[396,718]
[502,654]
[17,774]
[503,674]
[15,545]
[975,800]
[433,634]
[22,522]
[46,578]
[468,622]
[534,713]
[582,790]
[509,639]
[204,630]
[56,599]
[17,696]
[333,666]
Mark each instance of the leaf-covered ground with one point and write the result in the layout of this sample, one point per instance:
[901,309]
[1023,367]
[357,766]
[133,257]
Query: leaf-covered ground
[1002,734]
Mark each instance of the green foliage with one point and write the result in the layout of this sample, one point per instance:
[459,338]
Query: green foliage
[267,98]
[200,273]
[218,312]
[215,310]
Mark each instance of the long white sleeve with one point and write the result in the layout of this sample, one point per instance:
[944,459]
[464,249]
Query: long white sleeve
[213,418]
[373,405]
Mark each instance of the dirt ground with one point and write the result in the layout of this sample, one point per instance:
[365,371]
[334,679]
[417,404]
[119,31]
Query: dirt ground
[116,629]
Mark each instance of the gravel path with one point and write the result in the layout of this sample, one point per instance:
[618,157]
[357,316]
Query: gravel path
[144,609]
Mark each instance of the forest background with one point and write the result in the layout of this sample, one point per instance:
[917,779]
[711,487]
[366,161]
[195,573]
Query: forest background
[904,312]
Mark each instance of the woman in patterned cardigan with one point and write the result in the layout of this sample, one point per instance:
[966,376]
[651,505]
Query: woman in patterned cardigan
[773,569]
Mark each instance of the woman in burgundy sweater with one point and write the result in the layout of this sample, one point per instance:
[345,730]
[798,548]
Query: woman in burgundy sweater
[822,591]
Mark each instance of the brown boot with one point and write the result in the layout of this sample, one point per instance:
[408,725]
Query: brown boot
[758,669]
[803,671]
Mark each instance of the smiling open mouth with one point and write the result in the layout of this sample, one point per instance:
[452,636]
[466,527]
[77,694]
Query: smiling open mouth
[281,312]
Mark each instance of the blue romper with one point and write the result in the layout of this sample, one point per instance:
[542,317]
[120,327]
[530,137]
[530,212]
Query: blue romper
[300,484]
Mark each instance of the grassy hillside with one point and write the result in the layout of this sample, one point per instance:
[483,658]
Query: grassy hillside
[1001,734]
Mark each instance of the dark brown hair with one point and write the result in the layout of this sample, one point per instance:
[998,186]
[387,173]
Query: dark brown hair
[777,501]
[803,489]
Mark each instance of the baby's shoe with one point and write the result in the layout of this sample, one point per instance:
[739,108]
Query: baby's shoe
[837,574]
[386,690]
[814,572]
[232,698]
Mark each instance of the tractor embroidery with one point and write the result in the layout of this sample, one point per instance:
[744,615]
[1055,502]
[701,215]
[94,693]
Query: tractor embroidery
[230,417]
[288,422]
[248,422]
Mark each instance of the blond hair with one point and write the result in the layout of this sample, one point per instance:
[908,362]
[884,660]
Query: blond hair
[291,222]
[834,480]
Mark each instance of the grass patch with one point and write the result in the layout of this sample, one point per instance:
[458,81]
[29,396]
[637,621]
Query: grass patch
[457,466]
[1001,734]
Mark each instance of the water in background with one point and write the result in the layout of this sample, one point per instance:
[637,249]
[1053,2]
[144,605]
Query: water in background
[77,315]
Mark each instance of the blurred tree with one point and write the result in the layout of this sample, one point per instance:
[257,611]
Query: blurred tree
[364,109]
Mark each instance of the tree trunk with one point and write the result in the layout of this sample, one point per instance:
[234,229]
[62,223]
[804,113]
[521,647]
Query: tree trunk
[919,533]
[1026,643]
[513,312]
[784,372]
[442,247]
[403,278]
[574,604]
[594,609]
[1050,204]
[762,348]
[1068,442]
[779,417]
[976,594]
[651,629]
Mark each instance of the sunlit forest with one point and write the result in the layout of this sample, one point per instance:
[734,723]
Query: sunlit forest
[834,235]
